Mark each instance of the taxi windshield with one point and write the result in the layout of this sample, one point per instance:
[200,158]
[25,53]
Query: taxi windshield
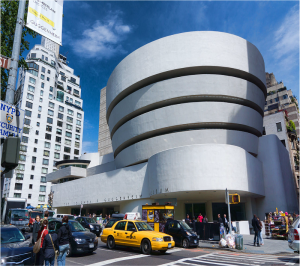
[142,226]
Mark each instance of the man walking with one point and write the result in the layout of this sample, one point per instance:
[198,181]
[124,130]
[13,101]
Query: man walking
[225,222]
[187,219]
[256,228]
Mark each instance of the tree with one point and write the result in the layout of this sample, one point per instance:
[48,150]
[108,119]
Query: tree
[9,12]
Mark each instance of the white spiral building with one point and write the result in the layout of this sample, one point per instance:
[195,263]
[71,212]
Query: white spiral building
[185,114]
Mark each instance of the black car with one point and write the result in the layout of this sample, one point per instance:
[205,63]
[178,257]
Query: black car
[15,247]
[114,218]
[90,223]
[82,240]
[182,234]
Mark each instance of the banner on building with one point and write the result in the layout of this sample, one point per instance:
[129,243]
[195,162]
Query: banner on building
[12,120]
[45,18]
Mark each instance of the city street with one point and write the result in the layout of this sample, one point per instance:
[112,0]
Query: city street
[177,256]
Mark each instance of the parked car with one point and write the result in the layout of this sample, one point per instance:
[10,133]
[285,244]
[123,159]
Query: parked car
[15,247]
[294,235]
[90,223]
[114,218]
[60,216]
[137,234]
[183,235]
[82,240]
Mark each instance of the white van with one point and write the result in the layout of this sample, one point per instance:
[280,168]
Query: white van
[132,216]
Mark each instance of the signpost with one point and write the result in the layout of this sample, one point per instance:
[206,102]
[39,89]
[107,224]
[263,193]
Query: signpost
[228,204]
[81,206]
[4,62]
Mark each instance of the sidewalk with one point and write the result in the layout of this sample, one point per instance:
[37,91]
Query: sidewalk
[271,246]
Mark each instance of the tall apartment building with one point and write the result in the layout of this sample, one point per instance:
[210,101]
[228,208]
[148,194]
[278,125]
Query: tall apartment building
[50,94]
[279,98]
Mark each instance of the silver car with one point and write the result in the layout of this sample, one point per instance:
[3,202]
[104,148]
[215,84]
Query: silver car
[294,235]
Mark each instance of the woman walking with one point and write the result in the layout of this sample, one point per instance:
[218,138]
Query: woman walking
[39,258]
[35,229]
[50,245]
[64,236]
[260,232]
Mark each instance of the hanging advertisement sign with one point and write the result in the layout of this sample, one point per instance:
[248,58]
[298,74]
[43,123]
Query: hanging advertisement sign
[45,18]
[5,62]
[12,120]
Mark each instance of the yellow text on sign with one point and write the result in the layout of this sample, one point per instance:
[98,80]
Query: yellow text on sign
[41,16]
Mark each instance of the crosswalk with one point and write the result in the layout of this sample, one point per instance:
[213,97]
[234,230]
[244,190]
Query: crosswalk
[235,259]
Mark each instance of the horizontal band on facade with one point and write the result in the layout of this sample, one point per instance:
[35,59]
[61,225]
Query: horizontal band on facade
[186,99]
[185,72]
[186,127]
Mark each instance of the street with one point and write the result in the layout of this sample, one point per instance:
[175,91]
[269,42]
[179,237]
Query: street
[177,256]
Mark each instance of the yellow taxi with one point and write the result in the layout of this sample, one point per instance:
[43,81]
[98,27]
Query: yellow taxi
[138,234]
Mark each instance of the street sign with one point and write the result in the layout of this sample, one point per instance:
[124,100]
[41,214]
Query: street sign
[12,120]
[4,62]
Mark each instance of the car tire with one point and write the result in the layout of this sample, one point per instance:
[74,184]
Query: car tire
[111,242]
[163,251]
[146,247]
[185,243]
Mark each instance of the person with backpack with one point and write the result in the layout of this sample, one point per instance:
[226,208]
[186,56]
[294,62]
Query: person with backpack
[39,258]
[50,246]
[64,237]
[256,228]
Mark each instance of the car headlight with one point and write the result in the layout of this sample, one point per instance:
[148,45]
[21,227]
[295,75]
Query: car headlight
[91,226]
[80,241]
[158,239]
[2,261]
[188,233]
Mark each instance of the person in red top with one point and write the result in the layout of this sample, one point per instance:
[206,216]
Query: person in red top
[39,258]
[200,217]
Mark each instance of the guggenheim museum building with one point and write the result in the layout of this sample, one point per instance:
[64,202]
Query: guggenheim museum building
[185,119]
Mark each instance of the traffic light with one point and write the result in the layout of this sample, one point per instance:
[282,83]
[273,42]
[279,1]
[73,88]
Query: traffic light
[10,153]
[235,199]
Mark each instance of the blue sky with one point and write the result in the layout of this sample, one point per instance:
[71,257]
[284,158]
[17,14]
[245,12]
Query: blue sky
[97,35]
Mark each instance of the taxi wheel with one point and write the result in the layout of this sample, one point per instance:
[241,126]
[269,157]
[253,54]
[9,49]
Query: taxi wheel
[185,243]
[146,247]
[111,242]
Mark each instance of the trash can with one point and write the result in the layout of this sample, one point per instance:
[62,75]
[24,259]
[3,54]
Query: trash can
[239,242]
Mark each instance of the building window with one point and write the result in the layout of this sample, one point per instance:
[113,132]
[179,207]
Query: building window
[18,186]
[44,170]
[29,105]
[24,139]
[17,195]
[58,139]
[30,186]
[52,63]
[77,103]
[57,147]
[37,124]
[69,127]
[33,160]
[266,102]
[21,167]
[48,79]
[51,104]
[27,113]
[22,157]
[46,153]
[36,141]
[70,112]
[31,176]
[36,132]
[34,149]
[69,119]
[60,116]
[31,88]
[51,88]
[77,137]
[29,196]
[50,112]
[59,123]
[58,131]
[69,89]
[31,80]
[76,152]
[66,157]
[32,167]
[63,78]
[60,96]
[67,142]
[43,85]
[76,92]
[40,109]
[67,149]
[42,198]
[56,155]
[49,120]
[27,122]
[42,76]
[283,142]
[78,122]
[45,161]
[73,80]
[285,96]
[68,134]
[49,72]
[43,179]
[47,145]
[41,100]
[77,144]
[47,136]
[30,96]
[61,108]
[271,101]
[26,130]
[23,148]
[79,115]
[276,99]
[48,128]
[50,96]
[278,126]
[19,176]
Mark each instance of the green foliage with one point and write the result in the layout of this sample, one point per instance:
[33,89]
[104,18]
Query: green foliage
[9,12]
[292,124]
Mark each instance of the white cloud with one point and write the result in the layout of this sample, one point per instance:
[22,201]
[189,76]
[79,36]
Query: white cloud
[103,39]
[89,147]
[87,124]
[287,36]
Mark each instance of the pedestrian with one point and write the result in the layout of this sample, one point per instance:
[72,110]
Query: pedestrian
[194,223]
[50,245]
[187,219]
[63,237]
[35,229]
[205,220]
[290,219]
[225,223]
[220,220]
[46,215]
[260,231]
[200,218]
[256,227]
[39,258]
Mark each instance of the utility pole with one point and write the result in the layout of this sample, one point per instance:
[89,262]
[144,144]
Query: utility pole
[10,92]
[229,216]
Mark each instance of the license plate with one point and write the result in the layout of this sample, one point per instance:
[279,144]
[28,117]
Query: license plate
[195,241]
[169,245]
[91,245]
